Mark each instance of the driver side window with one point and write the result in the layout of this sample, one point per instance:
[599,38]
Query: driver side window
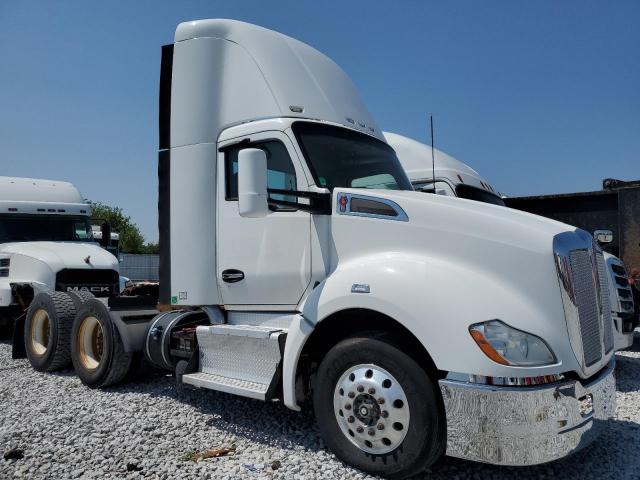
[281,173]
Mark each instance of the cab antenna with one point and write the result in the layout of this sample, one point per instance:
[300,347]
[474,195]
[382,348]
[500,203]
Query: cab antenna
[433,156]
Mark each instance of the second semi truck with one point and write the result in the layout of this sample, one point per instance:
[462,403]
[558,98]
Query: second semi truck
[47,243]
[298,265]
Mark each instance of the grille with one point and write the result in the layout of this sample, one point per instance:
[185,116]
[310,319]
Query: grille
[605,303]
[586,301]
[622,281]
[624,293]
[4,272]
[88,275]
[100,282]
[618,270]
[4,262]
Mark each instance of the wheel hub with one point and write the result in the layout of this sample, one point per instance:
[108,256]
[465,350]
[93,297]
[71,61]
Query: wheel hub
[40,332]
[371,408]
[90,343]
[366,409]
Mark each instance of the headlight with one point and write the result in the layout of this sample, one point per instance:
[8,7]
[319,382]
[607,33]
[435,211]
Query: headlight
[508,346]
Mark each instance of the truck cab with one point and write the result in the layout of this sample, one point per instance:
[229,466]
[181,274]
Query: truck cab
[298,265]
[46,243]
[457,179]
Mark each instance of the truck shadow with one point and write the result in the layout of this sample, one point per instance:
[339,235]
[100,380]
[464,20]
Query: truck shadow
[279,427]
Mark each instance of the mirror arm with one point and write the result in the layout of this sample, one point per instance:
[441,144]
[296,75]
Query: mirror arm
[320,203]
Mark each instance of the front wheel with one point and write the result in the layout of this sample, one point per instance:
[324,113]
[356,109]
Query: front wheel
[377,409]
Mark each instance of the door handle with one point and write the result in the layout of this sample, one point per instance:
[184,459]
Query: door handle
[232,275]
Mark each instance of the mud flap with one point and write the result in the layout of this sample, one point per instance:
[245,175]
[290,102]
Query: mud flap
[18,349]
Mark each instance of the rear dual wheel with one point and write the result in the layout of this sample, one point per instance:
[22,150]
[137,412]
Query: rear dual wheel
[97,350]
[47,331]
[64,329]
[377,409]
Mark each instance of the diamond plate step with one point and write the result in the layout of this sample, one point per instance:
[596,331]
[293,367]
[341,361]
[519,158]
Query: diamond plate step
[240,359]
[228,385]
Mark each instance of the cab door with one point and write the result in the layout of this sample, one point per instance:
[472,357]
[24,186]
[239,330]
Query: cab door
[262,261]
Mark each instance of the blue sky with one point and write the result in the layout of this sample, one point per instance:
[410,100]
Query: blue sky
[539,96]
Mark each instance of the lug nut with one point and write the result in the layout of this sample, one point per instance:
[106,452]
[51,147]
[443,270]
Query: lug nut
[359,429]
[351,395]
[360,388]
[351,419]
[380,426]
[381,400]
[371,432]
[384,414]
[347,406]
[372,391]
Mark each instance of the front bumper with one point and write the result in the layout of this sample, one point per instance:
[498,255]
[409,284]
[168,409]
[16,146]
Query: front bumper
[526,425]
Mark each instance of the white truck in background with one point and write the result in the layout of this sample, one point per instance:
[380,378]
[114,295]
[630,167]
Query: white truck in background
[46,243]
[288,274]
[457,179]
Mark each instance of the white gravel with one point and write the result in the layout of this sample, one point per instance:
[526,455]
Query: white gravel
[69,431]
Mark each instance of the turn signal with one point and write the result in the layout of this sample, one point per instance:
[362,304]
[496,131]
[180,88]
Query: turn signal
[509,346]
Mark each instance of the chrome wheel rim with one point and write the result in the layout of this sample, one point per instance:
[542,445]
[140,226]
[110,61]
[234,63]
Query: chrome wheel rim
[90,343]
[40,332]
[371,409]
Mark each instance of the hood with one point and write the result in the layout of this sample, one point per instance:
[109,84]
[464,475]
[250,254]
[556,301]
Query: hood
[59,255]
[455,260]
[471,218]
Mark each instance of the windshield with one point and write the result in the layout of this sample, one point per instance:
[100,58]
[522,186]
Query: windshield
[478,194]
[32,228]
[339,157]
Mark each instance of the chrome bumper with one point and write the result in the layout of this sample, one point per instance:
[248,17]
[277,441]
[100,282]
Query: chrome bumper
[526,425]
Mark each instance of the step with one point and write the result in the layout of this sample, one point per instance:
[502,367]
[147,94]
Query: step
[255,331]
[225,384]
[240,359]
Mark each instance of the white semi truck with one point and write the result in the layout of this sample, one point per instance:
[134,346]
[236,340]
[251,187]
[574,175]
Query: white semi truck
[298,265]
[457,179]
[46,243]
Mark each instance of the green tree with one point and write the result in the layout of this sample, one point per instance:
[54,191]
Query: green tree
[151,248]
[131,240]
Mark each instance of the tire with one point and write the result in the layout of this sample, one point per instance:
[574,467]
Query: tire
[47,331]
[79,297]
[412,418]
[97,350]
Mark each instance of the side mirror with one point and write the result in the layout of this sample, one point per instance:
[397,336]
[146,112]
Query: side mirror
[252,183]
[603,236]
[105,229]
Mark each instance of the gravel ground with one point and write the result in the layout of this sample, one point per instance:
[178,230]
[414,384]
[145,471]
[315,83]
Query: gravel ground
[149,429]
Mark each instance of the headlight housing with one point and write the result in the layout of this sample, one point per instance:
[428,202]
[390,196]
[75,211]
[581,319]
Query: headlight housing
[509,346]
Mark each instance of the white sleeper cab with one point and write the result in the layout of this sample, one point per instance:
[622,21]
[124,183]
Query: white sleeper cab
[451,177]
[299,265]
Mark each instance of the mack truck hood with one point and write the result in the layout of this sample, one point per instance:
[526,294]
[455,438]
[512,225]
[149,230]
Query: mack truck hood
[456,260]
[59,255]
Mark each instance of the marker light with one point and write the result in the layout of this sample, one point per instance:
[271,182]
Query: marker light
[508,346]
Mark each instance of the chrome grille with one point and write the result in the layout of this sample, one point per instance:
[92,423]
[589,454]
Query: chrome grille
[584,287]
[584,290]
[605,303]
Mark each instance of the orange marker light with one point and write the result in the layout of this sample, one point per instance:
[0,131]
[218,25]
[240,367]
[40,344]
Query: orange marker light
[486,347]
